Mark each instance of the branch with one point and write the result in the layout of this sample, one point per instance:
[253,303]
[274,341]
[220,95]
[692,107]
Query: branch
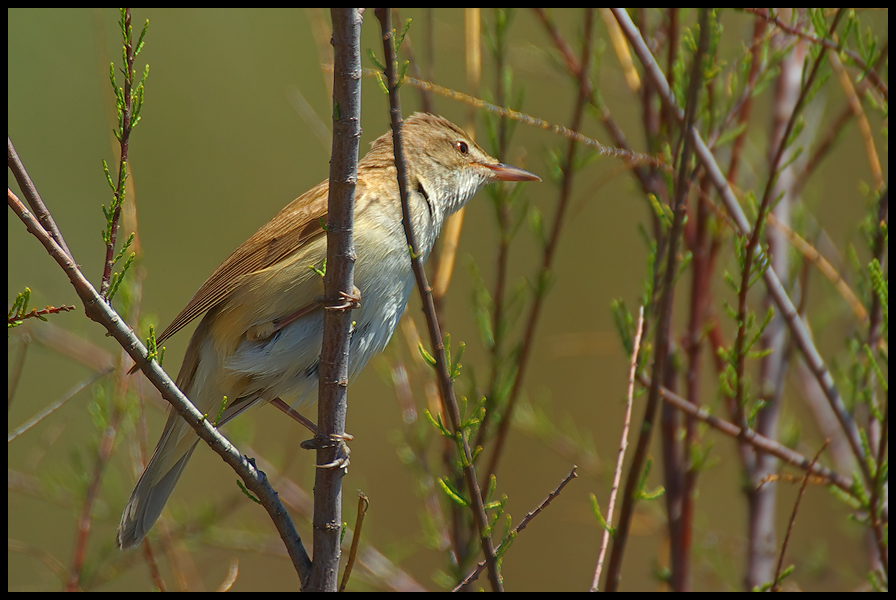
[798,327]
[623,445]
[34,200]
[102,313]
[614,573]
[445,385]
[759,442]
[338,284]
[568,169]
[522,525]
[868,70]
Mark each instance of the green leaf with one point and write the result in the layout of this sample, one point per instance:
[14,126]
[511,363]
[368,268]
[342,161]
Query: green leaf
[595,509]
[429,358]
[247,492]
[453,494]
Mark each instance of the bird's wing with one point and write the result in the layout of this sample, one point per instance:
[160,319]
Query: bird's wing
[293,227]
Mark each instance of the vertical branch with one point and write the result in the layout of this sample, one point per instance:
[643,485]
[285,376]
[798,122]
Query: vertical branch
[762,499]
[126,113]
[502,203]
[704,245]
[623,445]
[746,106]
[614,573]
[878,431]
[338,286]
[568,169]
[756,234]
[776,580]
[85,519]
[445,386]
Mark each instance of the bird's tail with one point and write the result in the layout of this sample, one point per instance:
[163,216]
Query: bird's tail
[157,482]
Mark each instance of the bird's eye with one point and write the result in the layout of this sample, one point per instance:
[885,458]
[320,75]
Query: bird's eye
[462,147]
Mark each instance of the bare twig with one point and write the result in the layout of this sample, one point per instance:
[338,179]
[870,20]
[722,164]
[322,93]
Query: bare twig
[53,407]
[363,505]
[776,587]
[32,197]
[232,572]
[623,444]
[759,442]
[855,105]
[150,557]
[85,521]
[621,152]
[522,525]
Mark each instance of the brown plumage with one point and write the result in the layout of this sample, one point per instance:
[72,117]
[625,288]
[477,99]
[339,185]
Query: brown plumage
[261,335]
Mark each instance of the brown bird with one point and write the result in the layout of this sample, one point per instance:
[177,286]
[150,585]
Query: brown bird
[261,335]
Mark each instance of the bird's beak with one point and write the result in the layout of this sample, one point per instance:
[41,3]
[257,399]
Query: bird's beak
[502,172]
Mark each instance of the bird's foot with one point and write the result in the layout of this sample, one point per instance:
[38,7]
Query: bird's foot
[347,301]
[342,453]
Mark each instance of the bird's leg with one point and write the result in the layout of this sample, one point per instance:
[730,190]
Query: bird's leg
[295,415]
[342,454]
[263,331]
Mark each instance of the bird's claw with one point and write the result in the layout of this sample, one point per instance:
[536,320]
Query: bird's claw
[341,461]
[347,301]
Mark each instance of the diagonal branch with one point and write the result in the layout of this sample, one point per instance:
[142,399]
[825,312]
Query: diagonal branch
[784,304]
[98,310]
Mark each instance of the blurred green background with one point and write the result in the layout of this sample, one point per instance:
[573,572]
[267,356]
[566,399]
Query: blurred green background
[222,146]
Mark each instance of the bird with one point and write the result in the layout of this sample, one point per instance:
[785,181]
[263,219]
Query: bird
[260,338]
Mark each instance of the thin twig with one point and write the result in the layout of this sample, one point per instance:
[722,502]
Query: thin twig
[14,374]
[445,385]
[623,445]
[759,442]
[125,126]
[36,313]
[232,573]
[154,573]
[363,505]
[627,154]
[796,506]
[855,104]
[869,72]
[876,501]
[53,407]
[522,525]
[29,190]
[85,518]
